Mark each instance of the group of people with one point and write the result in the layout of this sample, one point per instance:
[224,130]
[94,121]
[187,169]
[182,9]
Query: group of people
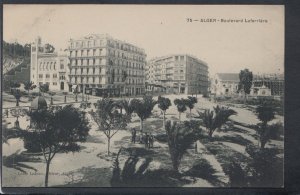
[147,139]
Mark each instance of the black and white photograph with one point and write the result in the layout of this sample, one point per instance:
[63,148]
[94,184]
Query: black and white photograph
[98,95]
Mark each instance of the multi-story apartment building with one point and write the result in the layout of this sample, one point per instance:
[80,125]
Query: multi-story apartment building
[100,64]
[48,68]
[178,74]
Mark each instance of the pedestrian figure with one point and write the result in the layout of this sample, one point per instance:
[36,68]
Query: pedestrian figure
[133,135]
[151,141]
[146,140]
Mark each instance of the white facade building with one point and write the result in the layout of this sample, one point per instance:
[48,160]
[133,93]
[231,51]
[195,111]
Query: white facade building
[49,68]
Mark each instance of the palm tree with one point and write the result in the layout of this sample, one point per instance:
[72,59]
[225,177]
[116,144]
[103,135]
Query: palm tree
[143,108]
[190,102]
[265,113]
[181,106]
[180,139]
[215,119]
[163,104]
[126,105]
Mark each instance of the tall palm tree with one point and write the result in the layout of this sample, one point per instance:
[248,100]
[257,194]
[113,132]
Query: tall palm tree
[143,108]
[265,113]
[163,104]
[181,106]
[180,139]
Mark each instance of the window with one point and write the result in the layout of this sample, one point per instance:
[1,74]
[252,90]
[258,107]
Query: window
[176,58]
[47,76]
[40,76]
[54,83]
[181,58]
[54,76]
[61,66]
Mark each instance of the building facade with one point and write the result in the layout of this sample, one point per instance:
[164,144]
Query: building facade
[101,65]
[48,68]
[177,74]
[226,84]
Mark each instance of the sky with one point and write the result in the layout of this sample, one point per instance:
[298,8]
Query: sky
[162,30]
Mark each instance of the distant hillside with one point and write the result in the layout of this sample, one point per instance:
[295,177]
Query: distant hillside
[13,55]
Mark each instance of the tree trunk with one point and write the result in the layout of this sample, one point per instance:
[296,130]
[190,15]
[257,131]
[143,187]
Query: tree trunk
[179,114]
[17,103]
[263,139]
[47,173]
[108,146]
[210,133]
[141,127]
[164,120]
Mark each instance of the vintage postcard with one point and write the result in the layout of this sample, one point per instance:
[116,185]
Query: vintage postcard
[143,96]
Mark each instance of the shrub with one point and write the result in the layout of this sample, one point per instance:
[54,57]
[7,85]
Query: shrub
[31,142]
[202,169]
[265,168]
[237,176]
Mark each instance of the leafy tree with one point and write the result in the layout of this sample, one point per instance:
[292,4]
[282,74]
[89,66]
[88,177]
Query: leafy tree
[108,119]
[15,85]
[180,138]
[17,94]
[59,130]
[181,106]
[265,113]
[164,104]
[143,108]
[29,86]
[245,83]
[190,102]
[49,48]
[44,88]
[215,119]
